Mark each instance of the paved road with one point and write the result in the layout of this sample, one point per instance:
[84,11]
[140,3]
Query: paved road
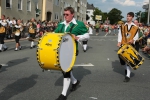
[23,79]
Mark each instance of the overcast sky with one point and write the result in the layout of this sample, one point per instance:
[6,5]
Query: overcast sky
[124,5]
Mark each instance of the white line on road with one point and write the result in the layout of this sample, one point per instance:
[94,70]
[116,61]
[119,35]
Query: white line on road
[103,36]
[84,64]
[4,64]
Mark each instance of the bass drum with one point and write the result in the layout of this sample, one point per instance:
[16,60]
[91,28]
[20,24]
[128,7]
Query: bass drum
[56,51]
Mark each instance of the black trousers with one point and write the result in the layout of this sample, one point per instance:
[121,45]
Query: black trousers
[137,46]
[2,36]
[66,74]
[85,42]
[17,38]
[32,35]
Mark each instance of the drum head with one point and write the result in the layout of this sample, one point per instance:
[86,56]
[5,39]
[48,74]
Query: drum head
[67,52]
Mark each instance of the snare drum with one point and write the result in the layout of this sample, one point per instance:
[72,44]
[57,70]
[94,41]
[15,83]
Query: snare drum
[56,51]
[130,56]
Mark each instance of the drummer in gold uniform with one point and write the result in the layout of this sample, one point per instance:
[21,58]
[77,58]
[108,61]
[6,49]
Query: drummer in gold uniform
[128,34]
[79,32]
[17,33]
[32,32]
[3,26]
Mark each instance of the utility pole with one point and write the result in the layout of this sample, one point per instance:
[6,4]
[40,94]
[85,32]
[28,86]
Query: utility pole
[140,17]
[148,12]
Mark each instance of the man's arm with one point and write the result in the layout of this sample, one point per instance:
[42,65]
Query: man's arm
[119,38]
[136,37]
[83,32]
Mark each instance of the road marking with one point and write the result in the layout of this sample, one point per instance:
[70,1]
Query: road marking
[104,36]
[4,64]
[103,39]
[93,98]
[84,64]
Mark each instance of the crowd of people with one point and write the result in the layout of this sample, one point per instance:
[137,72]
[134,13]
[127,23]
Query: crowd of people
[17,28]
[144,37]
[107,28]
[41,27]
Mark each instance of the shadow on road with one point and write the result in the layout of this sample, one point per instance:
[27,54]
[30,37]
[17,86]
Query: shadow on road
[119,69]
[18,87]
[13,63]
[78,72]
[88,47]
[23,48]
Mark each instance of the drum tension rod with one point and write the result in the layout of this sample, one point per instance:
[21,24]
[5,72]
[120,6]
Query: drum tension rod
[39,48]
[56,65]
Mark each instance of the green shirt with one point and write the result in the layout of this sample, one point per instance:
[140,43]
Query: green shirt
[78,29]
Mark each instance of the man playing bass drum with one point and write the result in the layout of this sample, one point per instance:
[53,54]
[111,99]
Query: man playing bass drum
[79,31]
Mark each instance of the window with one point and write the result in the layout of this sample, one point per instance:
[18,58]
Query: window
[56,16]
[87,11]
[8,3]
[56,2]
[64,4]
[61,11]
[19,4]
[28,5]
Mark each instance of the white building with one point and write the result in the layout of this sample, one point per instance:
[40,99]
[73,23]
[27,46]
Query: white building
[89,12]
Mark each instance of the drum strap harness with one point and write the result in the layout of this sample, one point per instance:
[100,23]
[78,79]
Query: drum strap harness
[69,30]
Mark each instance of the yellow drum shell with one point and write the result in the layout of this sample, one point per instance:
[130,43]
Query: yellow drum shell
[130,55]
[48,52]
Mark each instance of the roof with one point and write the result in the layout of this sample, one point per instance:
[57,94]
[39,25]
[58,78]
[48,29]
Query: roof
[90,6]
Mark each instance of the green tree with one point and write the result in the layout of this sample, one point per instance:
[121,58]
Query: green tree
[114,16]
[105,16]
[97,12]
[141,16]
[144,17]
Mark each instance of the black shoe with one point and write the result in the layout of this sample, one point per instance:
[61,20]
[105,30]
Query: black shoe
[34,46]
[31,47]
[74,86]
[0,66]
[0,50]
[62,97]
[125,72]
[84,50]
[5,49]
[20,48]
[127,79]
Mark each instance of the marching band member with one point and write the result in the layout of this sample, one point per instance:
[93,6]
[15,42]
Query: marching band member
[79,31]
[137,45]
[18,27]
[85,41]
[32,31]
[3,25]
[128,34]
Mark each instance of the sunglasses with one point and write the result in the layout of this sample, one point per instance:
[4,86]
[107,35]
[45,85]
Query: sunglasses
[66,14]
